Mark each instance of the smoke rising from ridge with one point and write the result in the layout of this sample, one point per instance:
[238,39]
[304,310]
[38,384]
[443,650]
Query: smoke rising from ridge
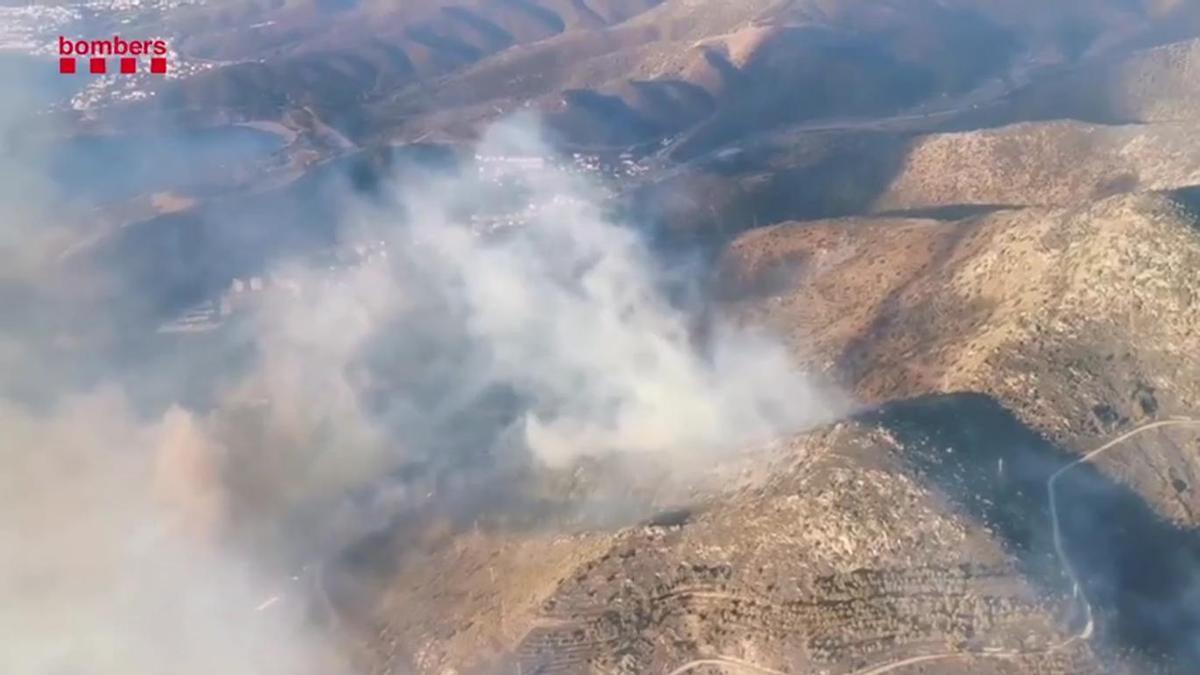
[144,542]
[570,312]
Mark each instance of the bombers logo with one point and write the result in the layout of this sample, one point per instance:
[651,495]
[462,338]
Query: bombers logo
[96,52]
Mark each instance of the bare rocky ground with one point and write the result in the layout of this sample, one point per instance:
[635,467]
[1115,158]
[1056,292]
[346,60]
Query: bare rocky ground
[1043,164]
[1046,305]
[1049,306]
[833,560]
[1082,320]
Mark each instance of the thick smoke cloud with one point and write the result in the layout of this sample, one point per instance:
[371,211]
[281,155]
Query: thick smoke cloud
[113,554]
[108,562]
[135,540]
[499,321]
[569,311]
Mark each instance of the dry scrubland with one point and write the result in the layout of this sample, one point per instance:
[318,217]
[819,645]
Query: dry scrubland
[1017,337]
[883,538]
[1045,164]
[831,559]
[1080,319]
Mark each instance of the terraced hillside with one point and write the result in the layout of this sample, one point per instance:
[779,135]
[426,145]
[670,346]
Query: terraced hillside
[837,560]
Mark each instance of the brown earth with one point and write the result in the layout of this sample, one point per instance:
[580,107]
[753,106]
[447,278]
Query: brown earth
[1043,163]
[990,346]
[1081,320]
[996,349]
[621,71]
[834,559]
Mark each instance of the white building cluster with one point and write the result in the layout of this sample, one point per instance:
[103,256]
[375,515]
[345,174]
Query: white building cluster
[103,90]
[34,29]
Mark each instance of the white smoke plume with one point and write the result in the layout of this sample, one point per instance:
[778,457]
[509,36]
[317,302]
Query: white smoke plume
[569,310]
[114,557]
[109,561]
[145,543]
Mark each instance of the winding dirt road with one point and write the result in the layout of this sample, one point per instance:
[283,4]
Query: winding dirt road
[1076,588]
[1085,631]
[727,661]
[1088,627]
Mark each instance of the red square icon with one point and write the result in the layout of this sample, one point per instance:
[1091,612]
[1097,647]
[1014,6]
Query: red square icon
[158,65]
[98,66]
[128,65]
[66,64]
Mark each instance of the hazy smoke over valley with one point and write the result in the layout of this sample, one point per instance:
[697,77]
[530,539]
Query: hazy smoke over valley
[171,538]
[567,310]
[466,338]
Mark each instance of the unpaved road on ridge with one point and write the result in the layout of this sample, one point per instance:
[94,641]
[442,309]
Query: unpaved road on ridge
[1088,627]
[1084,632]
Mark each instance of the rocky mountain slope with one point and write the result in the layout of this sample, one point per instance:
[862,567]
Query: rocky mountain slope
[834,559]
[1043,163]
[990,352]
[1156,84]
[1081,319]
[620,71]
[979,217]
